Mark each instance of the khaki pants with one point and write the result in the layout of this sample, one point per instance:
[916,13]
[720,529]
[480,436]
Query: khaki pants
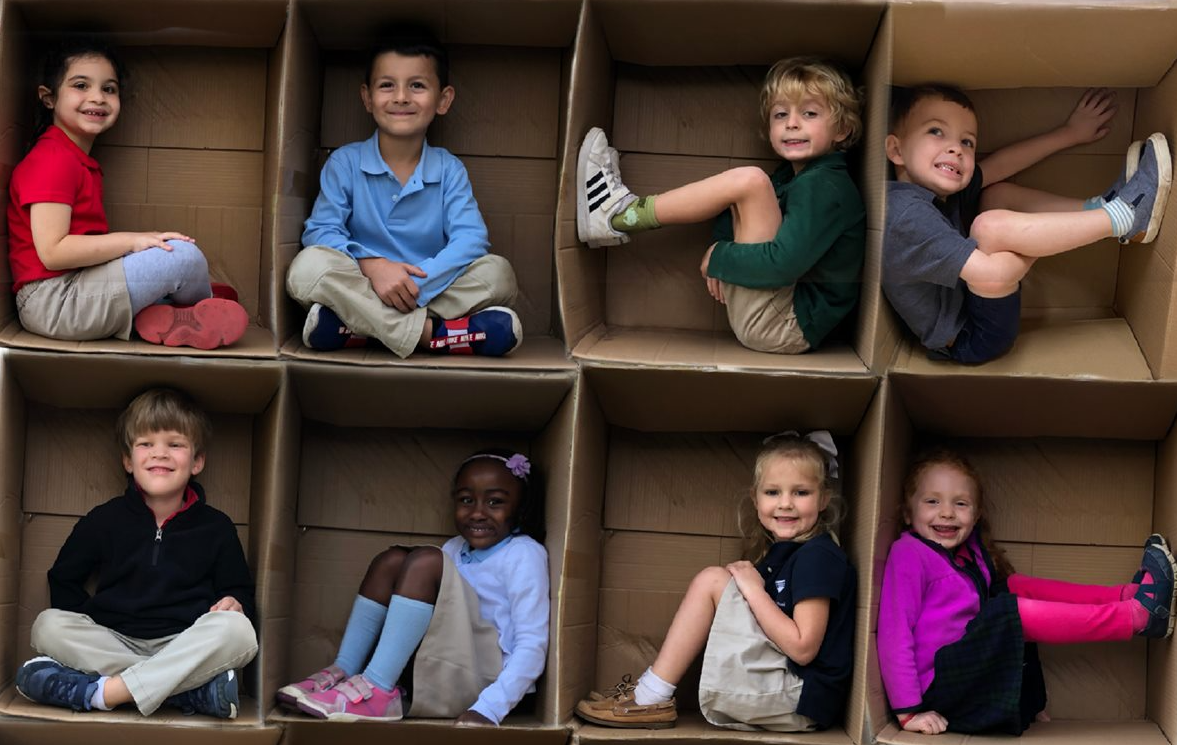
[90,303]
[323,275]
[746,683]
[153,669]
[764,320]
[459,655]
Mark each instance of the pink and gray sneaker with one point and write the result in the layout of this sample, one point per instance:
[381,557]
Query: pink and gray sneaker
[324,680]
[355,699]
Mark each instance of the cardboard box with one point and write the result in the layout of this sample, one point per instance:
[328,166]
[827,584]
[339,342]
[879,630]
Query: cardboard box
[59,458]
[1076,476]
[190,151]
[675,85]
[372,454]
[509,62]
[1102,311]
[661,461]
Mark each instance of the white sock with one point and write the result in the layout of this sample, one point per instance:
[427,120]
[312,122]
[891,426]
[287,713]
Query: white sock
[1121,214]
[98,700]
[652,690]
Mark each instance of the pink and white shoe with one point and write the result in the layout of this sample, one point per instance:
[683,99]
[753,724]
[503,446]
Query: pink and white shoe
[324,680]
[355,699]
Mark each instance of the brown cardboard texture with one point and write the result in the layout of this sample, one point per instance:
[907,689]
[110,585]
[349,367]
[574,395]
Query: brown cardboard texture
[378,449]
[1102,310]
[48,417]
[659,477]
[1069,498]
[658,99]
[188,151]
[508,63]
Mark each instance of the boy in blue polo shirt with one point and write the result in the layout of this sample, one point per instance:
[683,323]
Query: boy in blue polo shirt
[395,248]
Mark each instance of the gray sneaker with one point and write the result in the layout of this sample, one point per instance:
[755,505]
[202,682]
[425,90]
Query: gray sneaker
[1131,163]
[599,192]
[47,681]
[1148,190]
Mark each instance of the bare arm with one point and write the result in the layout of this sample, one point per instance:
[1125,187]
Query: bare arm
[1087,123]
[58,250]
[798,637]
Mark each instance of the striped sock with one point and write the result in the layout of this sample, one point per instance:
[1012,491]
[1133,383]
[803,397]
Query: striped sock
[638,216]
[1121,214]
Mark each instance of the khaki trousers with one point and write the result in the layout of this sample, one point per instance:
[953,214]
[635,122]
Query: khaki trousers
[764,320]
[323,275]
[153,669]
[90,303]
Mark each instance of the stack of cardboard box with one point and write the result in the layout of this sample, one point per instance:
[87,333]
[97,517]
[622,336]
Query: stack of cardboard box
[629,392]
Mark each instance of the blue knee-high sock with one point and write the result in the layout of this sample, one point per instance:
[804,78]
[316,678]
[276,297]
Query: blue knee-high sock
[404,628]
[363,629]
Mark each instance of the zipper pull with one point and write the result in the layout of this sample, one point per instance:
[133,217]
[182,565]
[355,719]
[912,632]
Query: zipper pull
[158,541]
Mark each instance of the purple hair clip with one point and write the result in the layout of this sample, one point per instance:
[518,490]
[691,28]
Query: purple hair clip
[519,465]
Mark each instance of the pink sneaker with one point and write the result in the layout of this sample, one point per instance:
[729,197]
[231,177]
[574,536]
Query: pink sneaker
[324,680]
[355,699]
[209,324]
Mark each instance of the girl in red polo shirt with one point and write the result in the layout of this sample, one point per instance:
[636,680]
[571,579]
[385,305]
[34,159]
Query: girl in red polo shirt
[73,278]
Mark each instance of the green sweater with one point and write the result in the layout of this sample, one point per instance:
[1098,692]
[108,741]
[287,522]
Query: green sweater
[819,247]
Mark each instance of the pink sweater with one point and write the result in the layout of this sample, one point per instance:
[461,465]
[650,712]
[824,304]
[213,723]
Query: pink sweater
[925,604]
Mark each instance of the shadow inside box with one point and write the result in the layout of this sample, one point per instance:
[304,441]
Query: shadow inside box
[13,704]
[692,727]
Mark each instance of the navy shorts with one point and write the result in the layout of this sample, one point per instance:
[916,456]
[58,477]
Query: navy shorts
[990,328]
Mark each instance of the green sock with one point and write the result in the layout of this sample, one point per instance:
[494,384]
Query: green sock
[638,216]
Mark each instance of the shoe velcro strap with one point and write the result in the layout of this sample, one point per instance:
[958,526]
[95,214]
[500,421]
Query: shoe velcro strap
[323,679]
[355,688]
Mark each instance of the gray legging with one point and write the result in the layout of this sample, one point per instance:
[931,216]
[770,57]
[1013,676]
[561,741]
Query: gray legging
[180,275]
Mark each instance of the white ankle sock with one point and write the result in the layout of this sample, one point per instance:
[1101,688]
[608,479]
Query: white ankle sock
[651,689]
[98,700]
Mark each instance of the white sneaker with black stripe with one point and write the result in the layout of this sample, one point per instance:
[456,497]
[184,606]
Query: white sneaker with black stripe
[599,192]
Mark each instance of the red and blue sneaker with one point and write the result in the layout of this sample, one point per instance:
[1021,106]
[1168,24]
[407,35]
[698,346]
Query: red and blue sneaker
[492,332]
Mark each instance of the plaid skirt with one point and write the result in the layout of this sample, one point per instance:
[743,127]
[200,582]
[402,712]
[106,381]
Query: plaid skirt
[990,680]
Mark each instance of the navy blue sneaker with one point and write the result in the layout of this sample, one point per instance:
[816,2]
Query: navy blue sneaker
[324,330]
[1148,190]
[216,698]
[492,332]
[47,681]
[1158,596]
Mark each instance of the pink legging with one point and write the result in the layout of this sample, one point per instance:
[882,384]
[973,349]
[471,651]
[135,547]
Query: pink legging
[1059,612]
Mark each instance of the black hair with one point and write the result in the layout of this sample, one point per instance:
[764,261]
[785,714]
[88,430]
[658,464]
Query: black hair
[904,99]
[55,63]
[529,516]
[410,40]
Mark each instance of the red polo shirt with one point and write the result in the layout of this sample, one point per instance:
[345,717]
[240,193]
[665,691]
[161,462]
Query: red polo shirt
[55,170]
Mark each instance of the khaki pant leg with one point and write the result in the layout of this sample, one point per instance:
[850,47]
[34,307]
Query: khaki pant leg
[764,320]
[488,281]
[323,275]
[76,641]
[86,304]
[217,641]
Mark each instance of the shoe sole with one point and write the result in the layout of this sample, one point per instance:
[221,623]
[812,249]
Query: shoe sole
[210,324]
[1163,547]
[1164,183]
[582,207]
[344,716]
[588,716]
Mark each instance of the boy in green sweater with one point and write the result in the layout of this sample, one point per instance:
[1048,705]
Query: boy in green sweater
[788,253]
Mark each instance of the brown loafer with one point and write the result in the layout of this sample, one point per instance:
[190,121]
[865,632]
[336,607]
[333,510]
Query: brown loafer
[622,711]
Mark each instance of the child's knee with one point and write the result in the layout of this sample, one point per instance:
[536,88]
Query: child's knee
[189,256]
[47,627]
[388,561]
[751,180]
[423,560]
[238,638]
[710,581]
[989,230]
[499,277]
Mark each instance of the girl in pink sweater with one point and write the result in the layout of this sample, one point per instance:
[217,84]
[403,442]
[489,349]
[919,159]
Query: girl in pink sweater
[955,620]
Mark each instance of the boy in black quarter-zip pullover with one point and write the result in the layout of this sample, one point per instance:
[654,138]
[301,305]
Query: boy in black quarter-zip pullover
[171,618]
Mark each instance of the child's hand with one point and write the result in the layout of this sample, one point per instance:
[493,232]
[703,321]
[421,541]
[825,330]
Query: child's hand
[714,286]
[472,718]
[392,281]
[746,576]
[927,722]
[227,603]
[144,241]
[1090,119]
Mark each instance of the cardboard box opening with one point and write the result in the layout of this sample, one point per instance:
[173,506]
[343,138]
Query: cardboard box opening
[679,106]
[190,148]
[374,468]
[61,459]
[1067,499]
[509,68]
[1101,311]
[658,486]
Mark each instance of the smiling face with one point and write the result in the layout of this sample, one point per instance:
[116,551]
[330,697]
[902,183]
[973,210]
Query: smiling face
[404,94]
[935,146]
[803,130]
[486,502]
[944,508]
[86,104]
[789,498]
[162,463]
